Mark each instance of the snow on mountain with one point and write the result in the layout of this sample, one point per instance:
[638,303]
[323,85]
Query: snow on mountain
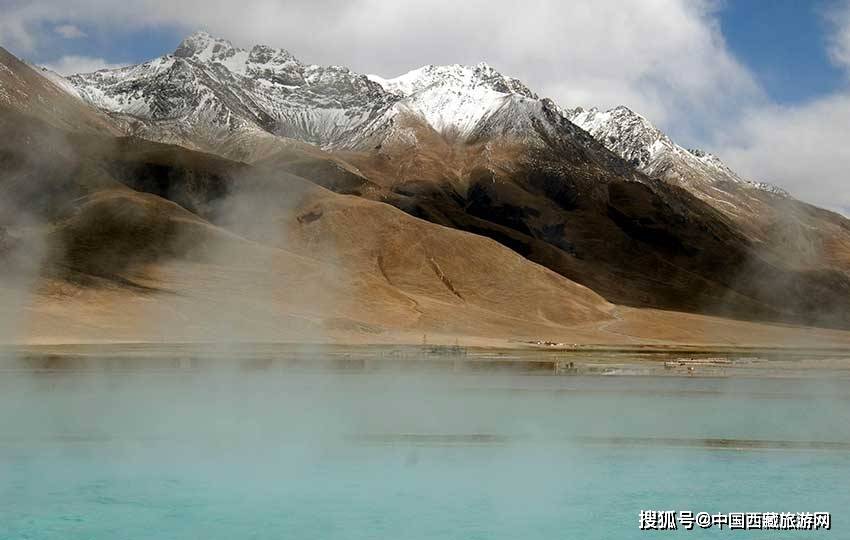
[454,77]
[636,140]
[57,79]
[455,96]
[208,85]
[213,95]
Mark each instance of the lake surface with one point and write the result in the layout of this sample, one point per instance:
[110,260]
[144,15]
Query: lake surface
[324,456]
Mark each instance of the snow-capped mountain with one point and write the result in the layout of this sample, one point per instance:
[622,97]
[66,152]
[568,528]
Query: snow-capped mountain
[209,89]
[208,85]
[455,96]
[635,139]
[212,95]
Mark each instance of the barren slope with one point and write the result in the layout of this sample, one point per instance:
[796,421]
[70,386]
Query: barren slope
[572,206]
[119,261]
[25,90]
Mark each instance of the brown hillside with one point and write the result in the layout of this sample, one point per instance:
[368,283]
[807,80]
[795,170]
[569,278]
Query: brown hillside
[298,262]
[25,90]
[635,240]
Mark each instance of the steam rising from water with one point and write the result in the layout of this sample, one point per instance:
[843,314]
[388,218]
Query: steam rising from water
[27,173]
[271,407]
[330,455]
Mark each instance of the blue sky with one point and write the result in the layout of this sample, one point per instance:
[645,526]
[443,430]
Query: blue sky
[115,47]
[784,44]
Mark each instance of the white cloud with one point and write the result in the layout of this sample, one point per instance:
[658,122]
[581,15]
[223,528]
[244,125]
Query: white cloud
[69,31]
[803,149]
[70,64]
[839,42]
[15,31]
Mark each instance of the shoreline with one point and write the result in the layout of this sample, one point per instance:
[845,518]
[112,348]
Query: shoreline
[670,360]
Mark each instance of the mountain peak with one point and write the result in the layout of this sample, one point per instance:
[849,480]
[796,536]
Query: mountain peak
[622,109]
[623,131]
[202,45]
[458,76]
[205,47]
[264,54]
[624,113]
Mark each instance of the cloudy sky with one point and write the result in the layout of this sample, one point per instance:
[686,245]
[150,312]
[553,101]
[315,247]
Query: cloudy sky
[764,84]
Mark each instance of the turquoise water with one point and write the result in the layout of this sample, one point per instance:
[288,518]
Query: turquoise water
[141,456]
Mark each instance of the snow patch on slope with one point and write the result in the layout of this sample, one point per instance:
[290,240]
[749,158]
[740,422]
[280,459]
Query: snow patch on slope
[58,80]
[454,96]
[635,139]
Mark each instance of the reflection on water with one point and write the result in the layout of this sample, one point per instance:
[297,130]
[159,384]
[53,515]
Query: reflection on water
[286,455]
